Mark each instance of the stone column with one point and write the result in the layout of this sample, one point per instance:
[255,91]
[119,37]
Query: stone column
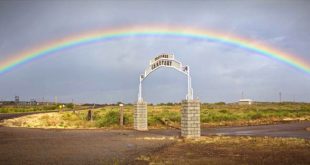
[140,116]
[190,119]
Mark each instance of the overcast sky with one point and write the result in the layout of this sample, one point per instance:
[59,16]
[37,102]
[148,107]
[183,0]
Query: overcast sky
[108,72]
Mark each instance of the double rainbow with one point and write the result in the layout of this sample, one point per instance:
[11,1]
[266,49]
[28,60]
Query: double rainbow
[152,31]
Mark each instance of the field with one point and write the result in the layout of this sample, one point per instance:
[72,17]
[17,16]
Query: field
[163,116]
[34,108]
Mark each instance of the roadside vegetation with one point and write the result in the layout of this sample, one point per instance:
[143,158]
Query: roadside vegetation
[168,115]
[260,113]
[34,108]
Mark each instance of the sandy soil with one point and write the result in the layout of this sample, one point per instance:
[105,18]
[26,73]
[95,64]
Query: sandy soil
[34,119]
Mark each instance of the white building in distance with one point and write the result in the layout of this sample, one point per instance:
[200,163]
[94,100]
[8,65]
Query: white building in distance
[245,102]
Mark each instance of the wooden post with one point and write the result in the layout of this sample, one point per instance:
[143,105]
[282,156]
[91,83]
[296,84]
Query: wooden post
[121,117]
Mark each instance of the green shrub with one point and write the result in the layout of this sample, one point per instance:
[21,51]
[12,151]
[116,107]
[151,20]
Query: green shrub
[217,117]
[70,106]
[154,120]
[220,103]
[110,118]
[46,108]
[223,111]
[128,119]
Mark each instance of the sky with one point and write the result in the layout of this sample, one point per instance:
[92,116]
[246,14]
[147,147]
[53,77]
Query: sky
[108,72]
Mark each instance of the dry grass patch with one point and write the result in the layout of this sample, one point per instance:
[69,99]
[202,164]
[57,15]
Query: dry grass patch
[49,120]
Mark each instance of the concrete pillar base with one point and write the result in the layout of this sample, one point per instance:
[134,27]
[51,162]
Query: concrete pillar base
[140,116]
[190,119]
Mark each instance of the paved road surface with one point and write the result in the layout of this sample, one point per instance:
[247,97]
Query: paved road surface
[295,129]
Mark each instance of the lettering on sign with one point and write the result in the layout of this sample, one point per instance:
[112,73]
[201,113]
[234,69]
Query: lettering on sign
[161,56]
[184,69]
[161,63]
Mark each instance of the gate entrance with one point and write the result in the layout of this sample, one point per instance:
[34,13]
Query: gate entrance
[190,117]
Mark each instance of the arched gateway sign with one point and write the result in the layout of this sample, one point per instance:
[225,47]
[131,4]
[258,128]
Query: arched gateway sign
[190,118]
[166,60]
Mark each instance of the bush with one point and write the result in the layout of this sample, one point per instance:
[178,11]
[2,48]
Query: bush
[154,120]
[110,118]
[220,103]
[50,107]
[70,106]
[223,111]
[217,117]
[164,117]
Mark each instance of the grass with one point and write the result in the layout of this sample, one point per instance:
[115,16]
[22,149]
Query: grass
[160,116]
[31,108]
[228,114]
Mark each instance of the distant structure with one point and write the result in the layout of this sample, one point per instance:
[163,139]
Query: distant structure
[16,99]
[33,102]
[245,102]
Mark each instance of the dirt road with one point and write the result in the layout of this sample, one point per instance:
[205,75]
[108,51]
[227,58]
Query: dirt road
[39,146]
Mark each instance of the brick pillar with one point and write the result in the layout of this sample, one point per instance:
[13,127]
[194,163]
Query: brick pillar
[140,116]
[190,120]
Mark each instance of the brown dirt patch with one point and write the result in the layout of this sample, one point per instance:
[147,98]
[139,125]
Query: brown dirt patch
[233,150]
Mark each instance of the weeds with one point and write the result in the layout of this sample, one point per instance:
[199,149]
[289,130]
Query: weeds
[163,115]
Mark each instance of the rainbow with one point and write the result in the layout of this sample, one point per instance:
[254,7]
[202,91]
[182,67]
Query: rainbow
[152,31]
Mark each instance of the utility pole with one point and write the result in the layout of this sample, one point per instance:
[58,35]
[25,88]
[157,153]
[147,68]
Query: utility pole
[56,100]
[280,97]
[73,106]
[91,112]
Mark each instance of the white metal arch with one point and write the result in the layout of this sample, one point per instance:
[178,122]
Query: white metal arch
[166,60]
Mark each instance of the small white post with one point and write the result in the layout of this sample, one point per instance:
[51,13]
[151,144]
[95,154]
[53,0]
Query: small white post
[121,116]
